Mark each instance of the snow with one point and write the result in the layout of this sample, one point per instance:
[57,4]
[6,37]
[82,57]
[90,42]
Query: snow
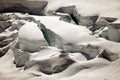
[31,39]
[30,31]
[45,53]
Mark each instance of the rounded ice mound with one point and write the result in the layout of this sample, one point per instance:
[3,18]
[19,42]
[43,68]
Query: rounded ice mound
[30,37]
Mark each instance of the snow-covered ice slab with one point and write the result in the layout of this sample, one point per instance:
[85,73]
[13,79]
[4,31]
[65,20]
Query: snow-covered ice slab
[67,31]
[30,35]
